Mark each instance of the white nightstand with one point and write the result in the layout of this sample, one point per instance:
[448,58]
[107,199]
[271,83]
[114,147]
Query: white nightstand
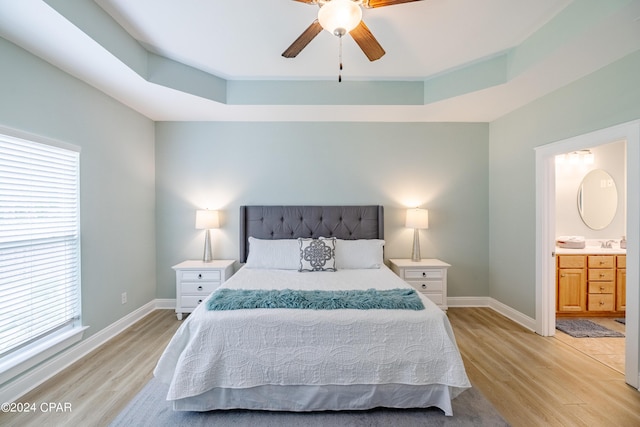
[195,280]
[428,276]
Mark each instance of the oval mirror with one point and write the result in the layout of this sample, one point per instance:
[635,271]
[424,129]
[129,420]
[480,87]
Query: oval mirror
[597,199]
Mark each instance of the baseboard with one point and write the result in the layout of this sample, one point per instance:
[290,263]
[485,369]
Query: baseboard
[495,305]
[12,391]
[166,304]
[468,301]
[512,314]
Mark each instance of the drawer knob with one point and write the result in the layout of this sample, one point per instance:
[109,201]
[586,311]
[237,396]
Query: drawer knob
[601,274]
[424,286]
[200,276]
[199,288]
[424,274]
[601,302]
[602,288]
[199,301]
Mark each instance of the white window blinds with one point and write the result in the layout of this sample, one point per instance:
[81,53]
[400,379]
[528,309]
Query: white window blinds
[39,241]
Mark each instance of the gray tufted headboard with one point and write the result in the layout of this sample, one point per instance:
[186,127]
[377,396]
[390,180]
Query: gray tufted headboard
[291,222]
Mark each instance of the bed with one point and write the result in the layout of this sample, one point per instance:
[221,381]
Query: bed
[254,345]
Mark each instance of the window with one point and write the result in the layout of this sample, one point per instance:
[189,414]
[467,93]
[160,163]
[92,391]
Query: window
[39,244]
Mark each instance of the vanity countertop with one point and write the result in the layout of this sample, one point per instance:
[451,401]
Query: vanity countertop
[591,250]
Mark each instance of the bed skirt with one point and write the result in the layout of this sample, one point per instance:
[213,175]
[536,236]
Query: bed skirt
[320,398]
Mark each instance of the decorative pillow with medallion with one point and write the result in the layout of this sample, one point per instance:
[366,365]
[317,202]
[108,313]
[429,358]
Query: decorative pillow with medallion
[317,254]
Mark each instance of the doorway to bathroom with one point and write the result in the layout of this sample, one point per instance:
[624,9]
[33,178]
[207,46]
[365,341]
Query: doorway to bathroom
[546,230]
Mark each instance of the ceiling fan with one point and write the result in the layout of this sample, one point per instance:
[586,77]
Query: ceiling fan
[340,17]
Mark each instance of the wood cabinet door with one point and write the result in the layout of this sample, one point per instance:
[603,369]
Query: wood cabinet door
[572,290]
[621,290]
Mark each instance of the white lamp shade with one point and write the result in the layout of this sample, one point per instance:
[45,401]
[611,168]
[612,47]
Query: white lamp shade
[206,219]
[339,16]
[417,218]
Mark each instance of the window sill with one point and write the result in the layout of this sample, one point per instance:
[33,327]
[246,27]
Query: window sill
[24,359]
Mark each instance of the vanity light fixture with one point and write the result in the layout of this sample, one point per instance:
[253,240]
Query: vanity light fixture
[417,219]
[587,157]
[580,157]
[206,220]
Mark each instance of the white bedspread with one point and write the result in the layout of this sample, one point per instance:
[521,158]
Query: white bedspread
[246,348]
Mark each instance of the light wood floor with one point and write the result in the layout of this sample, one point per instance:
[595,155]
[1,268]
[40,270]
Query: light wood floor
[531,380]
[101,384]
[540,381]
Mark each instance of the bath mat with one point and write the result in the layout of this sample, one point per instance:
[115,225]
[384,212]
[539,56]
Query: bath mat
[579,328]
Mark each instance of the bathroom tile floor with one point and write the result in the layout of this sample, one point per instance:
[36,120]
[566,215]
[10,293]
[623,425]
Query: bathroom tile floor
[609,351]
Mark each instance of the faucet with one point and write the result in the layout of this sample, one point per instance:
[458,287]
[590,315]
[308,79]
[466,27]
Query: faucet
[607,244]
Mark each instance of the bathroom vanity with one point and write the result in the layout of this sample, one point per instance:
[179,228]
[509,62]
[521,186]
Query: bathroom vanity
[590,282]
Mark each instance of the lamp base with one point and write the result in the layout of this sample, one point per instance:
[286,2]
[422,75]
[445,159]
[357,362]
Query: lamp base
[415,252]
[206,257]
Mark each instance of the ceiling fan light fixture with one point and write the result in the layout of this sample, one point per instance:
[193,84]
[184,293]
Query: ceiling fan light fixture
[340,16]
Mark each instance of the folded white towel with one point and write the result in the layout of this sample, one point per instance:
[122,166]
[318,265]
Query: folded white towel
[571,242]
[570,238]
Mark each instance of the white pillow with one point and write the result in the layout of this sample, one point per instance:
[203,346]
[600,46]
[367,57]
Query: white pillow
[282,254]
[362,253]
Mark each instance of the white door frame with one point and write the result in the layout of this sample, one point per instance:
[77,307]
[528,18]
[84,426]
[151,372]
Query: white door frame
[545,233]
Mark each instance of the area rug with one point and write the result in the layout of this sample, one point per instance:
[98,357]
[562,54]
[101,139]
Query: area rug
[149,408]
[579,328]
[622,320]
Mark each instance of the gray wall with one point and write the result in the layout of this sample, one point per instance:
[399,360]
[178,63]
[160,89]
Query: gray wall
[116,177]
[442,167]
[607,97]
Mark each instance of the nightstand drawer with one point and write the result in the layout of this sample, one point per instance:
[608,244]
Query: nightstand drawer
[427,285]
[411,274]
[204,288]
[435,298]
[195,275]
[192,301]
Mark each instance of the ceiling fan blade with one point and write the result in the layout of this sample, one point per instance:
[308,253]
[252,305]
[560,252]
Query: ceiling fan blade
[380,3]
[302,41]
[367,42]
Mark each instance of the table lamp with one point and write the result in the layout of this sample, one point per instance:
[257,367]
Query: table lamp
[206,220]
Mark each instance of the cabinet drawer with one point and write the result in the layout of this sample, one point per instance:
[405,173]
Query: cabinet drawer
[601,274]
[435,298]
[415,274]
[204,288]
[622,261]
[572,261]
[602,287]
[601,302]
[196,275]
[427,285]
[601,261]
[192,301]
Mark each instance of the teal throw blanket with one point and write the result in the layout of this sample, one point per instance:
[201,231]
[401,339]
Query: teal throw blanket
[237,299]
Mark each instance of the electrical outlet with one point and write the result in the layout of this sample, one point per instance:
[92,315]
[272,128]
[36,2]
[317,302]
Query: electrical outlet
[124,297]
